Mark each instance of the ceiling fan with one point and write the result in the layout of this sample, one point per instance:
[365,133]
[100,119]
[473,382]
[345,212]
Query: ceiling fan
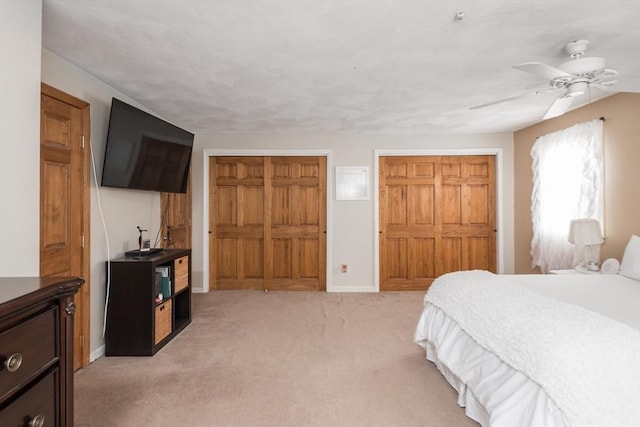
[572,78]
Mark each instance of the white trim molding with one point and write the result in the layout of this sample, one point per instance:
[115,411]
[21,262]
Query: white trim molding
[353,288]
[96,354]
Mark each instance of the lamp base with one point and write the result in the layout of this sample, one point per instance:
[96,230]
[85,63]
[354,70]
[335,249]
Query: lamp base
[593,266]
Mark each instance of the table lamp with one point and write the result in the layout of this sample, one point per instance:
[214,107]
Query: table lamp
[586,232]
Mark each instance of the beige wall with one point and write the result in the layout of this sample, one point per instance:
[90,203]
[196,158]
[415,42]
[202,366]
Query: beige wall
[622,173]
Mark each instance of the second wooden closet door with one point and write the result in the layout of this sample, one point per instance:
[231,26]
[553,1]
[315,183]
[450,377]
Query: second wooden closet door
[437,215]
[267,223]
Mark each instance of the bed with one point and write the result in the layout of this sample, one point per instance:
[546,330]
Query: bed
[539,350]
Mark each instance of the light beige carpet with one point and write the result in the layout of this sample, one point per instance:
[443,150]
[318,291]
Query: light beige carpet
[278,359]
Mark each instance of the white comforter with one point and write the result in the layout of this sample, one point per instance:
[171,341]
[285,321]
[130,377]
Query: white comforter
[588,364]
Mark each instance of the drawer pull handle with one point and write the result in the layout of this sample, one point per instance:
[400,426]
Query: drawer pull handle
[70,308]
[13,362]
[37,421]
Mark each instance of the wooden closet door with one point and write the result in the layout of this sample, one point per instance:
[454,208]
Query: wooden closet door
[268,223]
[466,215]
[236,222]
[408,191]
[176,213]
[436,216]
[295,235]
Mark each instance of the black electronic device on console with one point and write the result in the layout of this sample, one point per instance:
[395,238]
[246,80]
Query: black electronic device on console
[137,253]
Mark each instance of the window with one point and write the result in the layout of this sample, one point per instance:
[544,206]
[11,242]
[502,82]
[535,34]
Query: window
[567,184]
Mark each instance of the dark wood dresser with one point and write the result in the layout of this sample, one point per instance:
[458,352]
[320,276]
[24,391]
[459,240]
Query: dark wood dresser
[36,350]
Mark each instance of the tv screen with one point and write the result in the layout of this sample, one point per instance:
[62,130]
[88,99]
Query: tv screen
[144,152]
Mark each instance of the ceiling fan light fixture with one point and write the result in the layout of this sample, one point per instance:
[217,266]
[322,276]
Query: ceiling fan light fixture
[577,89]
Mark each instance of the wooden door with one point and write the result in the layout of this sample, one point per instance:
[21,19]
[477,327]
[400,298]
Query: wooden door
[295,235]
[267,223]
[467,214]
[176,215]
[437,215]
[64,201]
[236,222]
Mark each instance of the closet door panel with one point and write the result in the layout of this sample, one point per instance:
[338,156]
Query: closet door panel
[268,222]
[236,222]
[437,215]
[296,230]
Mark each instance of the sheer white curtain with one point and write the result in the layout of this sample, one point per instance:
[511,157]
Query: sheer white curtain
[567,184]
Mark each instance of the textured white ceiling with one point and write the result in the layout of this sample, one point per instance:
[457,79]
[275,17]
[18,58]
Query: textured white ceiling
[340,66]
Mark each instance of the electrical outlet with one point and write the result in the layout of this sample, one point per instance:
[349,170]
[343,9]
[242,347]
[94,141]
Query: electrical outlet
[343,268]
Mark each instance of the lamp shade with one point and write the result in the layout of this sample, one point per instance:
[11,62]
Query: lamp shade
[585,231]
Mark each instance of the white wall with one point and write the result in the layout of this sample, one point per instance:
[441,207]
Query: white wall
[351,224]
[123,209]
[20,34]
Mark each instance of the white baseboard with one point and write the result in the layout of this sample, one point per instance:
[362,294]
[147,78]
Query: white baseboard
[364,288]
[96,354]
[333,289]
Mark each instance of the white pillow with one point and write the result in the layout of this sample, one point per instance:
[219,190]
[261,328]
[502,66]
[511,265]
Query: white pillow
[630,265]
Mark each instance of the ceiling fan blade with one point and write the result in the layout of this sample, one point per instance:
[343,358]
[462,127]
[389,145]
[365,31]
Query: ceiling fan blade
[511,98]
[475,107]
[559,107]
[627,85]
[542,70]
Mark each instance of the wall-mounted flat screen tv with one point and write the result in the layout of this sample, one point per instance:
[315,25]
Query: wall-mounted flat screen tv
[144,152]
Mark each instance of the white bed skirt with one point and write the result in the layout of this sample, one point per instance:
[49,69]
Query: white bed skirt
[492,393]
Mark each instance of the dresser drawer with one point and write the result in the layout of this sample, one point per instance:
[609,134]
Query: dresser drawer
[181,273]
[37,403]
[26,349]
[163,321]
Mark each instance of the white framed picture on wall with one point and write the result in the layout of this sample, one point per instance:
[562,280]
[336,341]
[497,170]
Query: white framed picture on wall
[352,182]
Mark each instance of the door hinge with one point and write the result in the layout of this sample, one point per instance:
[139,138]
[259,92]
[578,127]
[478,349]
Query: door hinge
[82,341]
[82,146]
[82,241]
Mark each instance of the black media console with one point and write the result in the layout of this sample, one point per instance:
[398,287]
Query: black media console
[149,302]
